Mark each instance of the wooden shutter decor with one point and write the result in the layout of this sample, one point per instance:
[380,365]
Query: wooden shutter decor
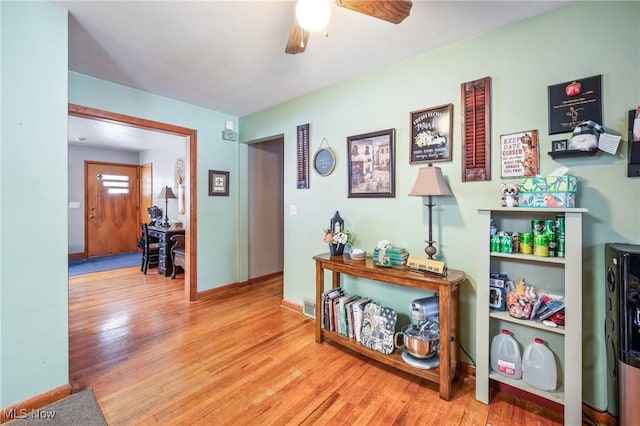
[476,130]
[303,156]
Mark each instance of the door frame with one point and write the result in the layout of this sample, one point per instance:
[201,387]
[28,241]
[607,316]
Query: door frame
[190,278]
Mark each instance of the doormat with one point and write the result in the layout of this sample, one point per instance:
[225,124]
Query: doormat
[104,263]
[77,409]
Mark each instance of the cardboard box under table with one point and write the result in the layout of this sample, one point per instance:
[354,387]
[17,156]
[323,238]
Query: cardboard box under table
[548,191]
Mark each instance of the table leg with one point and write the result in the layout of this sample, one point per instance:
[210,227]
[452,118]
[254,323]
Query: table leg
[319,291]
[445,343]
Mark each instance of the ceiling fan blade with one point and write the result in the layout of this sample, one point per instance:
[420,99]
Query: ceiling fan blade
[393,11]
[297,39]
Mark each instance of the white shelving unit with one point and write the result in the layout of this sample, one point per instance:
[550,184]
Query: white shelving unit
[557,275]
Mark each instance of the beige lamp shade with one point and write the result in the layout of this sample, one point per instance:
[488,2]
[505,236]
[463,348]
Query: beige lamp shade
[430,182]
[166,193]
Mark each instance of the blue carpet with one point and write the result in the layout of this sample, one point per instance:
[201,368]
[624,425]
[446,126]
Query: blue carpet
[104,263]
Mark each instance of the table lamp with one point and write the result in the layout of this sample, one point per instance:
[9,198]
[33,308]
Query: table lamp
[430,182]
[165,194]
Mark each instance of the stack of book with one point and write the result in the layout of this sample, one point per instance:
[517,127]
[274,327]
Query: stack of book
[397,256]
[342,312]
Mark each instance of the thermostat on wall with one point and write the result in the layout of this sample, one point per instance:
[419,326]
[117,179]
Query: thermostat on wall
[229,135]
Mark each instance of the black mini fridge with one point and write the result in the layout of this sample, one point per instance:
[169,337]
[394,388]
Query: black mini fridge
[622,331]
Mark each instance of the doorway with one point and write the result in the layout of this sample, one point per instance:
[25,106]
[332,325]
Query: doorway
[266,207]
[190,279]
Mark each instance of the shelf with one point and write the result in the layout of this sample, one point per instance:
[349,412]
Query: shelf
[394,359]
[517,210]
[528,257]
[555,396]
[504,316]
[571,153]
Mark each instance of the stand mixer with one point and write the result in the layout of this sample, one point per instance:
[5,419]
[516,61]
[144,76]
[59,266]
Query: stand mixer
[421,338]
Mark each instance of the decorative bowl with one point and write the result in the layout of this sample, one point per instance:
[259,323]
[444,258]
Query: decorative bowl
[358,254]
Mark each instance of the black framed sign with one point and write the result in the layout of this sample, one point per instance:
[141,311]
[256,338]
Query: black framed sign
[431,134]
[371,160]
[573,102]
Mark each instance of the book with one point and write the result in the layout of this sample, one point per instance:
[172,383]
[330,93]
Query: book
[358,308]
[342,313]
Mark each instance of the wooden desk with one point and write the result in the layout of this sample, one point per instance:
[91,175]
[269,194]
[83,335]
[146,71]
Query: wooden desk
[447,289]
[165,264]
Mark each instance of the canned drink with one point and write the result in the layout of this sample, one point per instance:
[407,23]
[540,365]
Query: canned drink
[515,238]
[560,224]
[549,226]
[506,244]
[537,226]
[541,245]
[560,246]
[494,243]
[552,244]
[526,243]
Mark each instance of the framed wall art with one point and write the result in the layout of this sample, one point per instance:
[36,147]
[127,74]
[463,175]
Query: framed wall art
[431,134]
[572,102]
[371,163]
[218,182]
[519,155]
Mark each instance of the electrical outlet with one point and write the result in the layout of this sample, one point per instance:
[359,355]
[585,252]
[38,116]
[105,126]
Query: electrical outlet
[293,210]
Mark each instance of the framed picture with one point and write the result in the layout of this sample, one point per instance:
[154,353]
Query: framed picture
[560,145]
[519,155]
[371,162]
[572,102]
[218,182]
[431,134]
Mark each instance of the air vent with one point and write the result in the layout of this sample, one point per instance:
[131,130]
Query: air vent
[309,308]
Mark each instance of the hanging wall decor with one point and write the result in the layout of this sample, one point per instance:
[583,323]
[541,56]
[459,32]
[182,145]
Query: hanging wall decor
[519,156]
[371,162]
[573,102]
[324,160]
[431,134]
[302,138]
[476,130]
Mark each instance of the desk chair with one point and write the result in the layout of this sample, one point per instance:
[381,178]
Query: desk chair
[177,254]
[150,249]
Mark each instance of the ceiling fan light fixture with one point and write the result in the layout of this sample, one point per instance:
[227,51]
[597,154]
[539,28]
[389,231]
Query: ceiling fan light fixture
[313,15]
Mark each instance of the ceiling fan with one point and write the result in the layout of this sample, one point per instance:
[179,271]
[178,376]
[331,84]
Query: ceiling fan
[393,11]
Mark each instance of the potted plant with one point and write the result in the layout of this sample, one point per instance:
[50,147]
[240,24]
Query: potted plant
[337,240]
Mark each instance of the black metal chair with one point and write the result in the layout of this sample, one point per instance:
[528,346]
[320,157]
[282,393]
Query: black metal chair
[150,249]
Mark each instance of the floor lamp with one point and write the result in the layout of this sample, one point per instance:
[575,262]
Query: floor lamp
[165,194]
[429,183]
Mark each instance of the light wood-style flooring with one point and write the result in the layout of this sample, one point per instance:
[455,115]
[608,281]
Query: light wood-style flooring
[153,358]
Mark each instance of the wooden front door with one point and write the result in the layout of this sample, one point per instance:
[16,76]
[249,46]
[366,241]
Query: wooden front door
[112,194]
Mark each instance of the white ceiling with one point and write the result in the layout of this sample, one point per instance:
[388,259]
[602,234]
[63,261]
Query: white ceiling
[229,55]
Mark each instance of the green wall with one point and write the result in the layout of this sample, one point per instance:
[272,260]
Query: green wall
[33,211]
[576,41]
[219,230]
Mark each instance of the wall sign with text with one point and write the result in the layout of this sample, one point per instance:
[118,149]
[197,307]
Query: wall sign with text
[572,102]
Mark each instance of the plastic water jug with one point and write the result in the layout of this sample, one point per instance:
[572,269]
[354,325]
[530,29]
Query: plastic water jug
[539,366]
[505,355]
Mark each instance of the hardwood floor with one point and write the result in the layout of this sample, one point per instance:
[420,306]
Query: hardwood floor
[242,359]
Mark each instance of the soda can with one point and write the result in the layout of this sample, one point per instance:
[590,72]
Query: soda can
[506,244]
[494,243]
[560,246]
[560,224]
[537,226]
[552,244]
[515,238]
[526,243]
[541,245]
[549,226]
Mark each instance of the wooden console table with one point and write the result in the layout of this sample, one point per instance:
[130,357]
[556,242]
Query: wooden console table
[447,289]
